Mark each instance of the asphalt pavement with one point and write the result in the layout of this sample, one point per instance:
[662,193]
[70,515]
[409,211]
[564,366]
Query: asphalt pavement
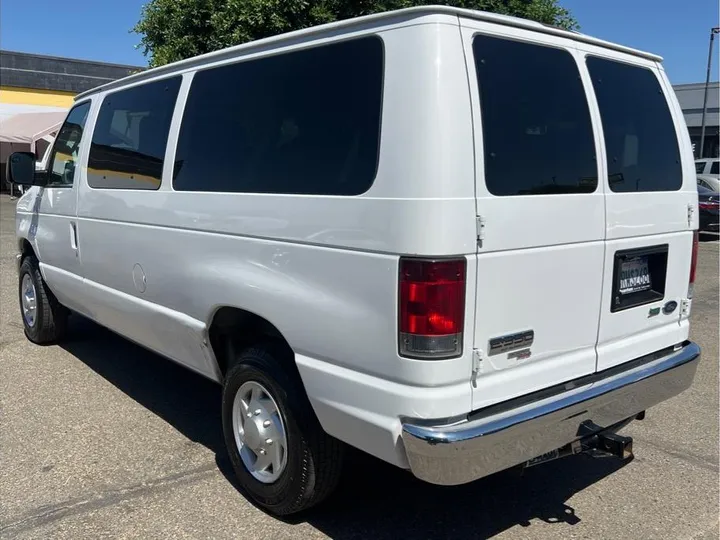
[102,439]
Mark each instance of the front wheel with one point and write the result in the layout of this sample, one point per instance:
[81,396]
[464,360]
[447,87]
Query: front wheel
[44,319]
[280,454]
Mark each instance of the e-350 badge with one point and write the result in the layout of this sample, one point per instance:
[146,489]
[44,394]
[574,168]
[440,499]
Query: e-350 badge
[512,342]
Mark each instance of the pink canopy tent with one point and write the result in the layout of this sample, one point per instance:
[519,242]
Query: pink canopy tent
[28,128]
[21,132]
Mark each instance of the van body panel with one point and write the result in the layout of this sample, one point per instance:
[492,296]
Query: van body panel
[331,222]
[168,332]
[283,282]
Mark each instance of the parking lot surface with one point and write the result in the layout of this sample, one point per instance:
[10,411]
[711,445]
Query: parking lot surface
[102,439]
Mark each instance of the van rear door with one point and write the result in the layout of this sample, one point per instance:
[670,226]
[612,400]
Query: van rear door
[651,207]
[541,212]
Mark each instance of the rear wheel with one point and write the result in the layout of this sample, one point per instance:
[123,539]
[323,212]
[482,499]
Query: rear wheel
[279,452]
[44,319]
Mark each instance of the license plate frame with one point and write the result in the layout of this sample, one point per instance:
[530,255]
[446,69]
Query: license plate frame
[631,286]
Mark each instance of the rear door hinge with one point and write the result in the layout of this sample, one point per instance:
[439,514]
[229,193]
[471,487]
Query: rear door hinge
[476,365]
[690,211]
[685,306]
[480,229]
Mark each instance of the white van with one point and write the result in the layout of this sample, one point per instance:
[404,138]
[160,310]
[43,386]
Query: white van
[460,242]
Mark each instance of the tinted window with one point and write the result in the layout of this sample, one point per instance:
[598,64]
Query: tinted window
[535,120]
[699,166]
[128,144]
[704,190]
[715,167]
[640,140]
[302,122]
[61,165]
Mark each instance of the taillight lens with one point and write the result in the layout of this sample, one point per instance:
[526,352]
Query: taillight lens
[693,264]
[432,307]
[709,205]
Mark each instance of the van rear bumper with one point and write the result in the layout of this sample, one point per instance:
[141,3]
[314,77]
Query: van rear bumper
[475,447]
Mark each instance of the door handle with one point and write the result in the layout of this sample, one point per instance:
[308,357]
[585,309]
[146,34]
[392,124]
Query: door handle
[73,238]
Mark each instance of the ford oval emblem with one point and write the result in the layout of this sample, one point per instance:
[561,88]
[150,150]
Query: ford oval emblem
[669,307]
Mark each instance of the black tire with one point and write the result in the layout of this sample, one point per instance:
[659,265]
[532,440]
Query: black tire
[50,322]
[314,459]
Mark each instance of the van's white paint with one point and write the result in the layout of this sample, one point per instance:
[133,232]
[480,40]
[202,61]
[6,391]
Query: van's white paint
[155,266]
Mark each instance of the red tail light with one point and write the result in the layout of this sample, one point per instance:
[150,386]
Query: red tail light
[693,264]
[432,307]
[709,205]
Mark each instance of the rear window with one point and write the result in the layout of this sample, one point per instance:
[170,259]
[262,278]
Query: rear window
[715,167]
[640,140]
[535,119]
[302,122]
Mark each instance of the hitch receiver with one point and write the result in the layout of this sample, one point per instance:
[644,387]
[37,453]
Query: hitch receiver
[599,445]
[609,443]
[617,445]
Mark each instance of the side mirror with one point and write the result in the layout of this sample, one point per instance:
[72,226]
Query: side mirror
[21,168]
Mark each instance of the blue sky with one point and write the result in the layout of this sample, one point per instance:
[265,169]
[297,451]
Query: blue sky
[100,29]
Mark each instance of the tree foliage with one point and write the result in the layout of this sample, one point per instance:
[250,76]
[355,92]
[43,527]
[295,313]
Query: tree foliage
[175,29]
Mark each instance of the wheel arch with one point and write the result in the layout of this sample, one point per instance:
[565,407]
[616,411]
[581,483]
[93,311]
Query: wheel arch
[232,329]
[25,248]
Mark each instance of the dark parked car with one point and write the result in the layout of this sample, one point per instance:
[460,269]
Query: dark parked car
[709,204]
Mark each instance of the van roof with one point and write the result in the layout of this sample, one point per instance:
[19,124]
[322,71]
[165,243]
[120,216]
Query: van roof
[378,19]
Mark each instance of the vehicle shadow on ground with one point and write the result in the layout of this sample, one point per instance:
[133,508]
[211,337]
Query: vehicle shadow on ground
[374,499]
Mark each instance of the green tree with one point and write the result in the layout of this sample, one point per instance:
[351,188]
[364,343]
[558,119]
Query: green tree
[175,29]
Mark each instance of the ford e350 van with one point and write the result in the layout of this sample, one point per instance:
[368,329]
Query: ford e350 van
[458,241]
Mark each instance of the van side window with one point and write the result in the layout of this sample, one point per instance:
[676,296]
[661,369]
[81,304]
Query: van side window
[715,167]
[131,132]
[699,167]
[61,165]
[536,126]
[302,122]
[640,140]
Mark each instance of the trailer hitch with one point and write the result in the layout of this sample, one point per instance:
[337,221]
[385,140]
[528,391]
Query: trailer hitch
[609,444]
[594,441]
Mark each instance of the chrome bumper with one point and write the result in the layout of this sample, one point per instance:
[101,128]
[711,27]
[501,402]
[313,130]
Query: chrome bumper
[470,449]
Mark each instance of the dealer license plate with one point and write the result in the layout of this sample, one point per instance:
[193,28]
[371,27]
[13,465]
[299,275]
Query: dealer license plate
[634,276]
